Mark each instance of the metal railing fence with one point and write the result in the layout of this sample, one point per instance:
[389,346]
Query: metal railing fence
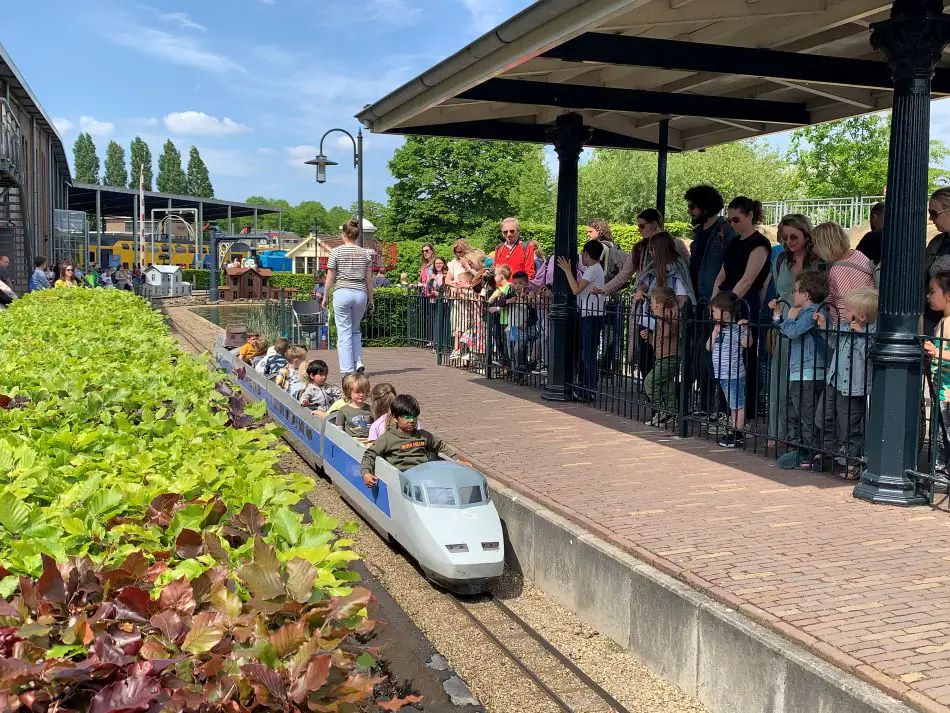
[847,212]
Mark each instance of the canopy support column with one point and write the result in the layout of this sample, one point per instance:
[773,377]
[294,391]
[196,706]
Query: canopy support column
[662,155]
[98,262]
[137,252]
[912,39]
[569,135]
[168,233]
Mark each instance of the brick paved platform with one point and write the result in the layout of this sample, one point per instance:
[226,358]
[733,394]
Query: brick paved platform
[865,587]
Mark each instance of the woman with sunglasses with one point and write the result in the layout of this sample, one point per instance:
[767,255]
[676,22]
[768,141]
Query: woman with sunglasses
[745,269]
[67,277]
[938,250]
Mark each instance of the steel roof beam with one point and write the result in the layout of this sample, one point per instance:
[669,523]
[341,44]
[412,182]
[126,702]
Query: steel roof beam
[577,96]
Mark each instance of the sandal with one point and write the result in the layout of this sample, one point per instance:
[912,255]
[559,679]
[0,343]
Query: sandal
[852,473]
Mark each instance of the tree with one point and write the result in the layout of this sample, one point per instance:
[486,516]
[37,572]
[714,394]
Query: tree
[446,188]
[85,160]
[616,185]
[140,156]
[269,221]
[306,217]
[171,177]
[849,157]
[199,182]
[115,175]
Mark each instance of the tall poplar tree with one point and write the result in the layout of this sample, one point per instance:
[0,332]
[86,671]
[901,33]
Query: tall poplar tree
[199,182]
[140,156]
[116,174]
[171,177]
[85,160]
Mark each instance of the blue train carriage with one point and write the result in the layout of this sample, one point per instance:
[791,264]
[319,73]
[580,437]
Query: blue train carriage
[439,512]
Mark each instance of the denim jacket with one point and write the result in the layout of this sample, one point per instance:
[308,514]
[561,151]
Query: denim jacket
[806,350]
[848,371]
[706,255]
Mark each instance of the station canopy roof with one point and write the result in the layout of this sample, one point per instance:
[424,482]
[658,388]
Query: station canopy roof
[719,70]
[118,201]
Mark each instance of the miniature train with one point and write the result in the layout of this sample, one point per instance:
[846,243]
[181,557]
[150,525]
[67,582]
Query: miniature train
[440,512]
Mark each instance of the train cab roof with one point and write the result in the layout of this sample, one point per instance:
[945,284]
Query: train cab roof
[443,483]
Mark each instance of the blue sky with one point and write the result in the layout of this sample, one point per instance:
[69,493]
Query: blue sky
[252,83]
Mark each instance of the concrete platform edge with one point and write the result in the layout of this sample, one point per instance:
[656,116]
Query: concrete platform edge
[716,654]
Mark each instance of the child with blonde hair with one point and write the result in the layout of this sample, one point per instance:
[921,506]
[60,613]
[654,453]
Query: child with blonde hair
[289,375]
[354,416]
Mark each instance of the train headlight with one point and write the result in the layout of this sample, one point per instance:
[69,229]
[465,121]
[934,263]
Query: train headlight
[455,549]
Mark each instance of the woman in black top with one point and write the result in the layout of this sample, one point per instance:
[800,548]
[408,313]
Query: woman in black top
[745,269]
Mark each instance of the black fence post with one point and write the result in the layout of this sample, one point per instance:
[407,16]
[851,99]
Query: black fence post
[489,340]
[439,309]
[686,369]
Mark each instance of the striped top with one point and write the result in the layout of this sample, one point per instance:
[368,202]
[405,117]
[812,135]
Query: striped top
[849,273]
[349,264]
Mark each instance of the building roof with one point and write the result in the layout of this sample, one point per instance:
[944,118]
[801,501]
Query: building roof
[10,75]
[719,70]
[238,271]
[164,268]
[118,201]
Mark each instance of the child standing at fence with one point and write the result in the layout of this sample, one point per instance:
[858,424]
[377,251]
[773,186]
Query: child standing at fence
[590,303]
[938,297]
[660,383]
[522,330]
[806,370]
[462,306]
[726,343]
[289,376]
[498,318]
[841,416]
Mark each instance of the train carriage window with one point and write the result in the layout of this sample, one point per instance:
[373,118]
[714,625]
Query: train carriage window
[407,490]
[441,496]
[470,495]
[417,493]
[309,434]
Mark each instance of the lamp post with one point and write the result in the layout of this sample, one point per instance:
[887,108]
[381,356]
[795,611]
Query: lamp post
[321,162]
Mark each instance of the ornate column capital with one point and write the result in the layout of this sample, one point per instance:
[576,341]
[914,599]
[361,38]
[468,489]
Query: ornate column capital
[913,38]
[569,135]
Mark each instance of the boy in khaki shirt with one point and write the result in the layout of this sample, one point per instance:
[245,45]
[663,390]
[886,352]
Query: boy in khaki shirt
[403,445]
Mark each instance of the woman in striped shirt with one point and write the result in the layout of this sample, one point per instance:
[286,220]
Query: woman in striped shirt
[349,271]
[847,268]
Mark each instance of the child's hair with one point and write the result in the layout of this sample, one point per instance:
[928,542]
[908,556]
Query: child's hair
[317,367]
[863,300]
[505,271]
[253,335]
[814,284]
[263,343]
[942,278]
[520,275]
[302,372]
[355,382]
[593,249]
[664,296]
[281,345]
[295,353]
[404,405]
[725,302]
[382,397]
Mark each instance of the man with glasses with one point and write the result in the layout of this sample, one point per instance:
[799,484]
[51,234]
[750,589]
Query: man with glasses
[513,252]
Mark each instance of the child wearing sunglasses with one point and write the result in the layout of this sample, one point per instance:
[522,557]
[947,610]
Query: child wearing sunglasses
[403,444]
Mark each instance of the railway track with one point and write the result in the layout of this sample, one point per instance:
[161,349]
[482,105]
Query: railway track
[551,671]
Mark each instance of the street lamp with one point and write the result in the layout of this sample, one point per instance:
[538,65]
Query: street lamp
[321,162]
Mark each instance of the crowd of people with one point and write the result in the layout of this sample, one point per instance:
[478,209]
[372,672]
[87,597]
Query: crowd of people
[776,333]
[64,273]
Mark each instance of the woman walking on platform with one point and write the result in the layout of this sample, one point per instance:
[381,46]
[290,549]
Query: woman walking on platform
[350,279]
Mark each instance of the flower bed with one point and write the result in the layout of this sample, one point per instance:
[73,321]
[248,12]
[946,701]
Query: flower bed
[185,579]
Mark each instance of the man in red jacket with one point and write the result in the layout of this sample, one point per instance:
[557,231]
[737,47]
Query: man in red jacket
[513,252]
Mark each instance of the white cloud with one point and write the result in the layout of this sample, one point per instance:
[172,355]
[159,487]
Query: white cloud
[227,162]
[197,123]
[62,125]
[486,13]
[184,20]
[393,12]
[296,155]
[95,127]
[145,121]
[174,49]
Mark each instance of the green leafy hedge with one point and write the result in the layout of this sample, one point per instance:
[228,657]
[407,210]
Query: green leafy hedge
[100,414]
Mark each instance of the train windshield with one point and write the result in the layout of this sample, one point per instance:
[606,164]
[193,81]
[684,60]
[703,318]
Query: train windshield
[470,495]
[441,496]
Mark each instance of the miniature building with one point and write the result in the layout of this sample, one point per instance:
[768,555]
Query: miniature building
[313,253]
[252,283]
[165,281]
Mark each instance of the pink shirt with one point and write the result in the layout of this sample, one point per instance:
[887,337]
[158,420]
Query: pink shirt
[851,272]
[379,425]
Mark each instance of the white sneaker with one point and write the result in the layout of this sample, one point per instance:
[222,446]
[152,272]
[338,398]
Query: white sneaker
[360,368]
[455,354]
